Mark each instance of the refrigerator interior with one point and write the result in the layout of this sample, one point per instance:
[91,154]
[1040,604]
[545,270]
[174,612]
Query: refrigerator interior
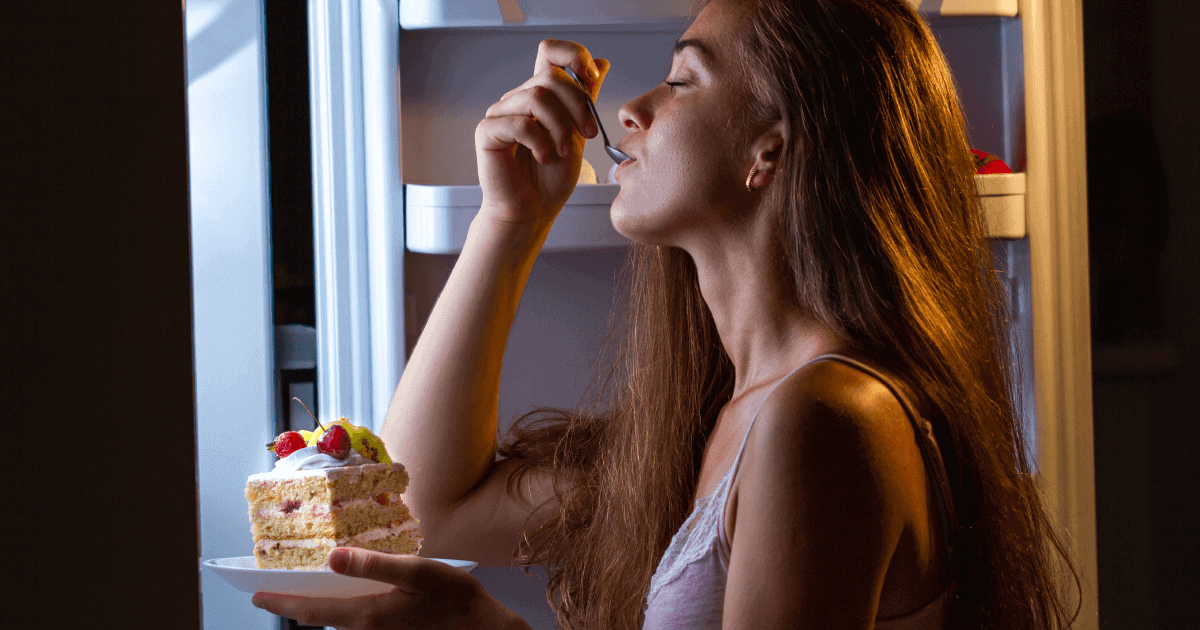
[448,78]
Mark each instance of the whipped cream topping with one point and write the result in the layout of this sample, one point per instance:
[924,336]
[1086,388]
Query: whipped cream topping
[311,458]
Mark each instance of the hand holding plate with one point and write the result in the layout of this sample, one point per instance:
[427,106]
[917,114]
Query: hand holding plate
[426,594]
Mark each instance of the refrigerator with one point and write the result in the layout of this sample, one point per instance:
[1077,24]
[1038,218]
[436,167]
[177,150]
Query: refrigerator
[396,91]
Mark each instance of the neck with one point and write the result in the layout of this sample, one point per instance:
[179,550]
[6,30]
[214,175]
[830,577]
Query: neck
[762,327]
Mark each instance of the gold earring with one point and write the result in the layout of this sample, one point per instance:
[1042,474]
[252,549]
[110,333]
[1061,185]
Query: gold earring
[750,177]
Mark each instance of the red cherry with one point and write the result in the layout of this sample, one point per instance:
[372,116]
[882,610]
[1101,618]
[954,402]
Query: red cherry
[287,443]
[335,441]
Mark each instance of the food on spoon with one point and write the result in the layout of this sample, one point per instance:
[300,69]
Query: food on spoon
[587,174]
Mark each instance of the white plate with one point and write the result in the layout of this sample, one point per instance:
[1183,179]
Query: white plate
[244,576]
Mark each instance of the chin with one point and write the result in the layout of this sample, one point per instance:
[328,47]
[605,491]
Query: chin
[637,226]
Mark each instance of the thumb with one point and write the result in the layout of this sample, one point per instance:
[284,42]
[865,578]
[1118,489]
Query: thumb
[372,565]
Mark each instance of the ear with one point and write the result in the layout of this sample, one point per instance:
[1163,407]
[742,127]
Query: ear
[765,153]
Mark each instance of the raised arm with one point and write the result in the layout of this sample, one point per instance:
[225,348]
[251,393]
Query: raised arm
[442,420]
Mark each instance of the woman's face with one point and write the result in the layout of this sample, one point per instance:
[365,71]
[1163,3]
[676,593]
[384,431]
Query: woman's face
[690,155]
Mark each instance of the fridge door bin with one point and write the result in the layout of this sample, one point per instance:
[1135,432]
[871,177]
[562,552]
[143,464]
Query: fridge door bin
[436,219]
[1005,8]
[1002,197]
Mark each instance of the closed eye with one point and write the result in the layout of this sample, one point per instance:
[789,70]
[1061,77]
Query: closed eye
[674,84]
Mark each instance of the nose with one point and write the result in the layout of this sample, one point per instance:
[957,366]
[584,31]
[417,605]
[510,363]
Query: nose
[636,114]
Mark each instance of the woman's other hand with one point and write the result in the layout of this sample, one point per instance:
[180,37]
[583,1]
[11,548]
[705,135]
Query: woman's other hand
[529,146]
[428,594]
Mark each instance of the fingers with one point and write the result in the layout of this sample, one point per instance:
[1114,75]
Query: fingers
[312,611]
[398,570]
[428,594]
[551,100]
[559,90]
[555,52]
[539,103]
[500,134]
[593,85]
[556,102]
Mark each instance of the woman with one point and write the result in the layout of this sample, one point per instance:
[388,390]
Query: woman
[811,317]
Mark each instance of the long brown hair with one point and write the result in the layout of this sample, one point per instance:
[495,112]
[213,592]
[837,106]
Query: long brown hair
[882,236]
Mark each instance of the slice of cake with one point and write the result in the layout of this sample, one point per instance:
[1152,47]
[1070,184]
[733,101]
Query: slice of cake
[331,488]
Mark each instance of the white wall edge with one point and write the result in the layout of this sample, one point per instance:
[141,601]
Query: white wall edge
[340,200]
[1057,223]
[380,48]
[233,337]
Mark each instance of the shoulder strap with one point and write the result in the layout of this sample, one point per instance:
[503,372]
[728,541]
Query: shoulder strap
[737,461]
[935,468]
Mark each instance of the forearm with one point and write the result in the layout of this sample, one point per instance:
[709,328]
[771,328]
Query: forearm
[442,420]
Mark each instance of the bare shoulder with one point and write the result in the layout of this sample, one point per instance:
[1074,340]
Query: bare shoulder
[827,433]
[830,481]
[832,406]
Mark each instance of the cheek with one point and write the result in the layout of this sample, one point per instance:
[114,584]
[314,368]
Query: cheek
[692,158]
[686,177]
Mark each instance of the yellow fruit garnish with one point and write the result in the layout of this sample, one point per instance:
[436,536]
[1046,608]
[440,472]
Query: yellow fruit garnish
[362,440]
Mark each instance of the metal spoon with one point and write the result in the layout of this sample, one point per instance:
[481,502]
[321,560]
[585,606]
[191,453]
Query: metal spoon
[616,155]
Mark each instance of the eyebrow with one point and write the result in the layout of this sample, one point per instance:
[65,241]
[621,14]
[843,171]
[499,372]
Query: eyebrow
[705,54]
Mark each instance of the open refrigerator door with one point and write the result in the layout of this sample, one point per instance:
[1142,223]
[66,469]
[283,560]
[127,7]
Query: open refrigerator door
[397,89]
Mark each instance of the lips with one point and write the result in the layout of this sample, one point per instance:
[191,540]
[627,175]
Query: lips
[615,173]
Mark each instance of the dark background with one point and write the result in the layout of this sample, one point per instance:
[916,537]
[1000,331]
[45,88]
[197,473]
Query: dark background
[100,498]
[1141,59]
[100,492]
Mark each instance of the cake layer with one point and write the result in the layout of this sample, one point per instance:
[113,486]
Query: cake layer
[322,520]
[324,491]
[312,553]
[328,484]
[298,516]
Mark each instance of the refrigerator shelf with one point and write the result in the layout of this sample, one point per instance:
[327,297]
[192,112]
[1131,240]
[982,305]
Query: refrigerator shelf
[436,218]
[614,15]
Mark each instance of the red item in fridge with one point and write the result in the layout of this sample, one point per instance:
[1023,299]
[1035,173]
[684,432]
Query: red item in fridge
[986,163]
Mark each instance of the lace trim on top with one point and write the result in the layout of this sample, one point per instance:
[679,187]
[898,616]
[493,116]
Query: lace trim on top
[703,533]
